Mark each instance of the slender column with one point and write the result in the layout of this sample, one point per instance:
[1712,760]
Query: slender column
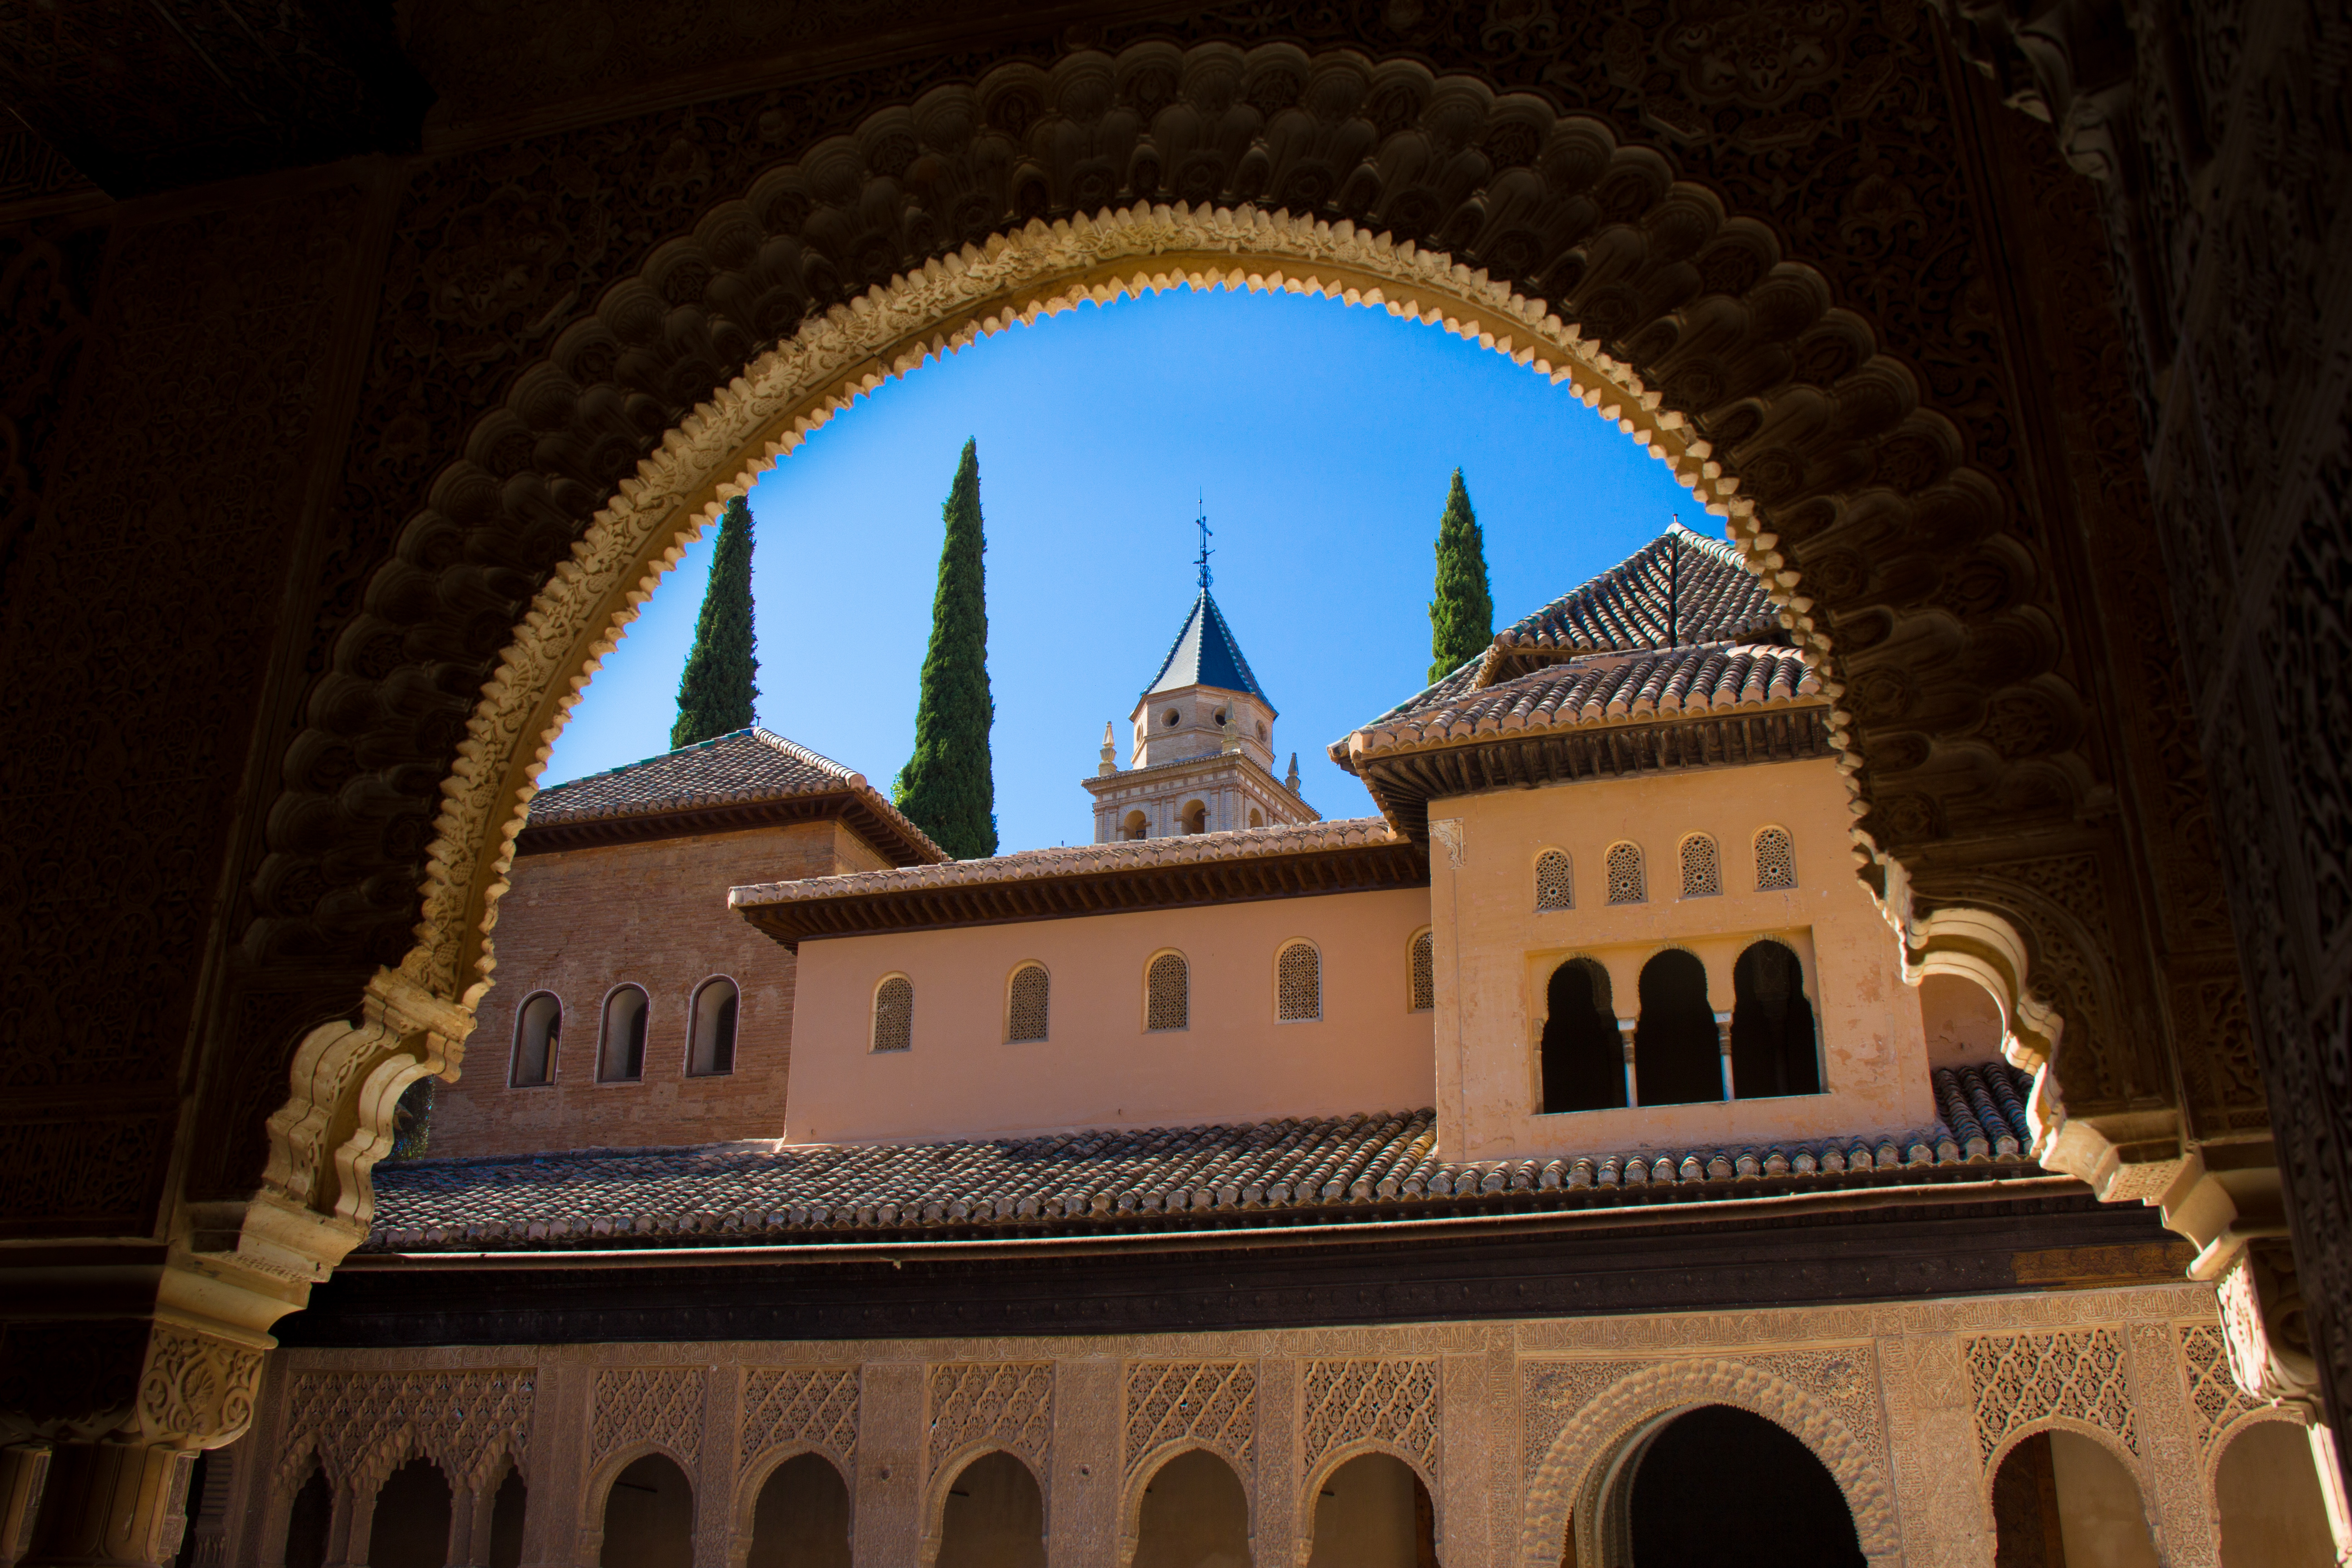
[2331,1488]
[109,1504]
[464,1539]
[24,1468]
[362,1540]
[717,1543]
[1625,1034]
[1722,1043]
[340,1511]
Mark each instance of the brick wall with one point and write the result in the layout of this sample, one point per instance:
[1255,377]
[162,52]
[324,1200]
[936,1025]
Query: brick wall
[579,923]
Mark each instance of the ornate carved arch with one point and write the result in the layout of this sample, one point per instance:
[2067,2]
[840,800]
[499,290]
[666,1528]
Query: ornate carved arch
[1327,1465]
[1898,560]
[1581,1463]
[1139,1474]
[943,1476]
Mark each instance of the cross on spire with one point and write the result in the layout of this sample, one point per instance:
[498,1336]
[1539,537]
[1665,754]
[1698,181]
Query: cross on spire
[1202,560]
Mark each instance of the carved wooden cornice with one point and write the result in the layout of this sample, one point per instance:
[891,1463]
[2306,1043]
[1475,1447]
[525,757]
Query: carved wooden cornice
[1106,879]
[1404,781]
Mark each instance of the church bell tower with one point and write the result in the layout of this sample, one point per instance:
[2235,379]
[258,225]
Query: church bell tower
[1203,754]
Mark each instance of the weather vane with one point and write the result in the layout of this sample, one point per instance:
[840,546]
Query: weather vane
[1201,523]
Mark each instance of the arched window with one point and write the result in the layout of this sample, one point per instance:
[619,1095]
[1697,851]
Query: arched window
[539,1027]
[1776,860]
[1583,1056]
[1136,827]
[1028,1004]
[1555,888]
[1772,1043]
[894,1015]
[1421,965]
[1677,1051]
[1626,883]
[715,1006]
[1257,817]
[621,1058]
[1702,867]
[1168,993]
[1299,984]
[1195,817]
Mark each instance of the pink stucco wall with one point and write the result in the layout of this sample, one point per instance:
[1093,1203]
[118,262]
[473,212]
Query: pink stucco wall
[1495,953]
[1099,1067]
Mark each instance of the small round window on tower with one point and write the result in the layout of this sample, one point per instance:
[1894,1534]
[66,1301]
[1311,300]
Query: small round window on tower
[1172,717]
[1221,715]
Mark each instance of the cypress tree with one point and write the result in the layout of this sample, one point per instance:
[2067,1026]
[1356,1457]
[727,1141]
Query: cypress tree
[947,788]
[714,694]
[1461,615]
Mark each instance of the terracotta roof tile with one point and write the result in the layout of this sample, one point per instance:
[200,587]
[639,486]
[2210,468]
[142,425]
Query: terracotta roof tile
[1716,598]
[1077,860]
[1601,689]
[742,768]
[1293,1171]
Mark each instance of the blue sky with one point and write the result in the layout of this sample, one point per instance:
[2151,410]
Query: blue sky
[1321,438]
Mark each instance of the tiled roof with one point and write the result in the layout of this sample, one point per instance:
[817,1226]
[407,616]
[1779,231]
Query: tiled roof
[1715,597]
[1682,589]
[1290,1172]
[1597,689]
[747,767]
[1077,860]
[1205,654]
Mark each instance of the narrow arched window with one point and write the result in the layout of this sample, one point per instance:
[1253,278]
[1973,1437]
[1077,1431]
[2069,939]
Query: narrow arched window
[1168,993]
[1028,1004]
[715,1006]
[621,1058]
[1774,1049]
[1257,817]
[1555,889]
[1626,883]
[1299,984]
[1776,860]
[1135,826]
[1677,1050]
[1582,1053]
[894,1015]
[1422,965]
[539,1027]
[1196,817]
[1702,867]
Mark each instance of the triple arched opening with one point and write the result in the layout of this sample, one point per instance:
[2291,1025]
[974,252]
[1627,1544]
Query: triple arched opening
[1677,1050]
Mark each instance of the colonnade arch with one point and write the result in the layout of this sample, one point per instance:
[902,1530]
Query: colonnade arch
[1599,260]
[1575,1477]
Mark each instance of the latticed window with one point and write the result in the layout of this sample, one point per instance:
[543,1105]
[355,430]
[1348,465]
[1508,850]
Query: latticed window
[1702,867]
[894,1015]
[1555,889]
[1027,1007]
[1626,883]
[1424,973]
[1776,860]
[1299,984]
[1168,993]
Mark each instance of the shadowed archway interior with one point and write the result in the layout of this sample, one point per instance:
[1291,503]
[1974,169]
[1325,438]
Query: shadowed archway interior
[1722,1485]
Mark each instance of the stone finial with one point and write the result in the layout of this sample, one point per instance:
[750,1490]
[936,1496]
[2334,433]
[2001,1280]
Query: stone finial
[1291,782]
[1231,739]
[1109,752]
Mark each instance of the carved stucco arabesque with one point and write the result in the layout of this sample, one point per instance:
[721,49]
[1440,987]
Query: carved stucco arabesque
[2220,162]
[1911,1408]
[1887,533]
